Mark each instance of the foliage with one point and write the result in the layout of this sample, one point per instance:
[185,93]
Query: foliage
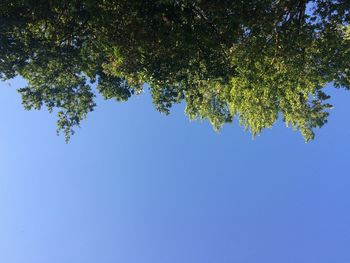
[254,60]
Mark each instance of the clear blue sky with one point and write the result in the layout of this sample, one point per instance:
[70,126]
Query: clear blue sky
[134,186]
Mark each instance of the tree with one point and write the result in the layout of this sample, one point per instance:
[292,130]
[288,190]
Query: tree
[254,60]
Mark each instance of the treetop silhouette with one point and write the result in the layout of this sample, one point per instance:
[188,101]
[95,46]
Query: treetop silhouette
[253,60]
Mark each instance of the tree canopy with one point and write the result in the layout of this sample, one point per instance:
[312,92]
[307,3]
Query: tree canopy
[254,60]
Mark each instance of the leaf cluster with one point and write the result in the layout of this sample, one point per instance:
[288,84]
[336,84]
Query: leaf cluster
[254,60]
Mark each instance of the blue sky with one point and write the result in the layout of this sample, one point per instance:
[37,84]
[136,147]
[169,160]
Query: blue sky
[135,186]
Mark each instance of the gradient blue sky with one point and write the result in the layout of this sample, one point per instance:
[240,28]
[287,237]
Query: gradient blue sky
[134,186]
